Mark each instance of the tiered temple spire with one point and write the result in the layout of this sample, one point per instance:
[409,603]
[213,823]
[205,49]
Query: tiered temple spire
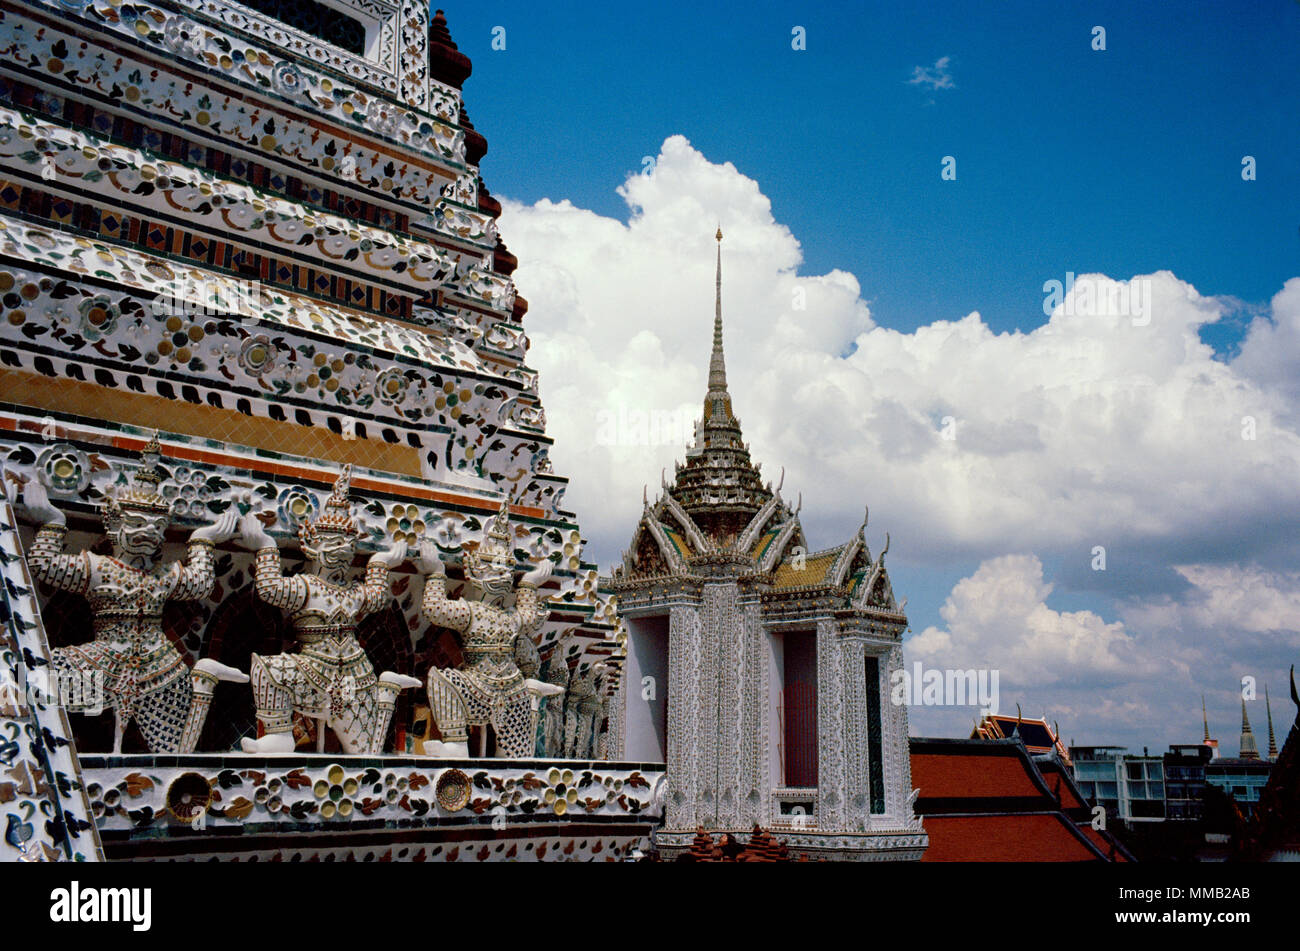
[1211,743]
[1249,748]
[721,429]
[719,486]
[717,362]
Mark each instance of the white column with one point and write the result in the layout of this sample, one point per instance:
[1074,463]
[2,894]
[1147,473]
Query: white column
[830,729]
[724,632]
[756,766]
[897,755]
[856,766]
[684,734]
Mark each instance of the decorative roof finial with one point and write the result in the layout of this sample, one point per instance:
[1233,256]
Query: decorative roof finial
[446,63]
[1205,719]
[717,365]
[1272,742]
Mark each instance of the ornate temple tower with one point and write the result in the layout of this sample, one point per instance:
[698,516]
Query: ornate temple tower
[1249,748]
[757,670]
[259,230]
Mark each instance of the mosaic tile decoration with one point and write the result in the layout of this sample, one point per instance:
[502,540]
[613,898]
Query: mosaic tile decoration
[380,72]
[358,150]
[271,252]
[43,807]
[141,795]
[131,177]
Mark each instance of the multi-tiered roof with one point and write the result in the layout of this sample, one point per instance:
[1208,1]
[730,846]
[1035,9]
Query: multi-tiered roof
[719,486]
[719,513]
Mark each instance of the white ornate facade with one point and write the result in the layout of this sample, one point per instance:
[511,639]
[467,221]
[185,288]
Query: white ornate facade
[723,601]
[259,231]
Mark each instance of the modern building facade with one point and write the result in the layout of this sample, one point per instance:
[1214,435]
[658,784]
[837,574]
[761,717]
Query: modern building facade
[1130,788]
[1243,779]
[1172,786]
[1185,768]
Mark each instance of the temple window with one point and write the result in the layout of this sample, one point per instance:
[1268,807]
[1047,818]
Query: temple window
[798,710]
[646,730]
[316,19]
[875,759]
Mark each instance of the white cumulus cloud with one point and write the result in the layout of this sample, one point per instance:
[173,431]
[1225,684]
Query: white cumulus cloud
[1246,598]
[1089,429]
[999,618]
[1095,427]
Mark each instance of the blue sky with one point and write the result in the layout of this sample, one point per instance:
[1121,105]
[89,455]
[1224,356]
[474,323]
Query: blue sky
[1122,161]
[1125,162]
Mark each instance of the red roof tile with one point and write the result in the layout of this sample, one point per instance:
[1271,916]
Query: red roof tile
[1006,838]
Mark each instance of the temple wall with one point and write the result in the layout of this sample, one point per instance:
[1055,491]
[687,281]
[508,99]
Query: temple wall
[832,756]
[280,255]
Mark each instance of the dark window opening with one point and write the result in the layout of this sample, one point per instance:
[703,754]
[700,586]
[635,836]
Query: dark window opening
[875,759]
[799,711]
[322,22]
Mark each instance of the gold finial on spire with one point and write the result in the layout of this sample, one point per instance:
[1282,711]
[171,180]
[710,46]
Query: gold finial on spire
[719,234]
